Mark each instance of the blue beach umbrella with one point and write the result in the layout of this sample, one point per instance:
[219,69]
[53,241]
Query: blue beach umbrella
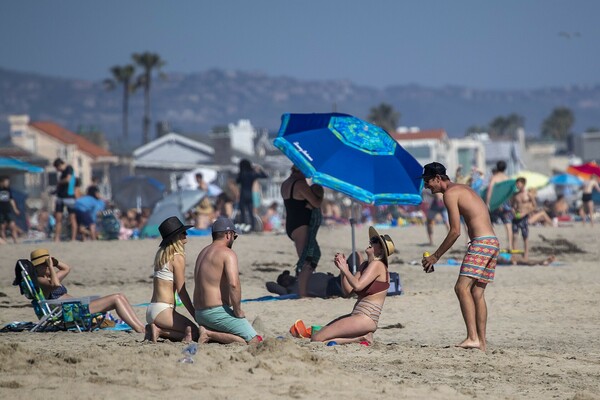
[351,156]
[566,180]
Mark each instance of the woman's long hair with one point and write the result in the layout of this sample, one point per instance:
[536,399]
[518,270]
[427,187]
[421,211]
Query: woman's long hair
[245,166]
[167,252]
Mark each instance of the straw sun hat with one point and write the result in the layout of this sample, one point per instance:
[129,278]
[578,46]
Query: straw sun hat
[39,257]
[385,240]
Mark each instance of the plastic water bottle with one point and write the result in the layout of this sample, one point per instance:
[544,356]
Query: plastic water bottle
[189,351]
[426,254]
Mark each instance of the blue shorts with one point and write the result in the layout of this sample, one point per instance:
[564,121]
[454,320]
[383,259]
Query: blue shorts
[221,319]
[84,218]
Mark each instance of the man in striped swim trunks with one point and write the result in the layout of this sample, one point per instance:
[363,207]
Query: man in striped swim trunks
[479,264]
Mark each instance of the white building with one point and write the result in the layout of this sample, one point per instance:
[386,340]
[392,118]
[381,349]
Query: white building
[434,145]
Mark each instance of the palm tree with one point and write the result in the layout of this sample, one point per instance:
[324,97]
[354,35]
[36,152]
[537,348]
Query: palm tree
[122,76]
[558,124]
[148,62]
[506,127]
[385,117]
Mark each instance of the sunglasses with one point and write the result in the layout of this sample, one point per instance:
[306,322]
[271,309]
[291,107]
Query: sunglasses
[235,235]
[374,240]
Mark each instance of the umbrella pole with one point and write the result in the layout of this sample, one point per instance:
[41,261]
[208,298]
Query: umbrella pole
[352,223]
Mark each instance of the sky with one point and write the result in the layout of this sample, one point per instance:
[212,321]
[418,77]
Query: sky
[503,44]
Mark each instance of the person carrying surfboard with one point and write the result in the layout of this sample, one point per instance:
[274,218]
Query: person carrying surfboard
[503,212]
[479,264]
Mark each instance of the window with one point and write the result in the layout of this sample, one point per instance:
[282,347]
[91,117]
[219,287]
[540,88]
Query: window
[419,152]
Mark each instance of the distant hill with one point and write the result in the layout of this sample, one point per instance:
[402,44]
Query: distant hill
[195,103]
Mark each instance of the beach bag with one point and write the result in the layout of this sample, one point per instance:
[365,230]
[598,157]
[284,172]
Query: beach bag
[395,285]
[110,225]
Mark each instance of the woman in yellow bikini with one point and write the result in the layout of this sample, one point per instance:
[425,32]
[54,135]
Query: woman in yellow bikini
[370,285]
[169,277]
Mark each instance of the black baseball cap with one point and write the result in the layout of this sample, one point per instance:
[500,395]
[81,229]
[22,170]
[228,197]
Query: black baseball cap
[433,169]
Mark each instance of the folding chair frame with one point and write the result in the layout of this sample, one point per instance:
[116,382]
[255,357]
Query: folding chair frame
[70,313]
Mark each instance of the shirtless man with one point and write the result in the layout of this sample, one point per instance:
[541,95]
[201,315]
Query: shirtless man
[217,292]
[586,197]
[522,204]
[503,212]
[478,266]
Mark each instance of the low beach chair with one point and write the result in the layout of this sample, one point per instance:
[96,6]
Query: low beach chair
[53,315]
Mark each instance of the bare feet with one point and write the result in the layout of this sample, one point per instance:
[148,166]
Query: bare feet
[549,260]
[368,338]
[203,335]
[468,344]
[152,333]
[188,335]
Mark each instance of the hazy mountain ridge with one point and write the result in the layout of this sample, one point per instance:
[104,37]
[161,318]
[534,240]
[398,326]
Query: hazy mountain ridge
[197,102]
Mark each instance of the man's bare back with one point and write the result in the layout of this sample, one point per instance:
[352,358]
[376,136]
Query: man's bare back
[216,276]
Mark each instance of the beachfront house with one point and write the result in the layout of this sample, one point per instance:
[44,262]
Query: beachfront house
[586,146]
[512,152]
[48,141]
[170,155]
[435,145]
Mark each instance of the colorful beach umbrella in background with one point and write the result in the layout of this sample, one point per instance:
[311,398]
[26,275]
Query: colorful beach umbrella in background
[566,180]
[535,180]
[14,164]
[585,171]
[351,156]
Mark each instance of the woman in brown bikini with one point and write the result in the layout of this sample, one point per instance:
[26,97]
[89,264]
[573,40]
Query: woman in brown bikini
[370,285]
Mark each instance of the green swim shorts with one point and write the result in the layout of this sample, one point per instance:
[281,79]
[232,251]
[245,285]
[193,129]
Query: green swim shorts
[222,319]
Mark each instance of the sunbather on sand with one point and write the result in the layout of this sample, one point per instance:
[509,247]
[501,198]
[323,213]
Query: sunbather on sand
[320,284]
[371,285]
[50,274]
[518,259]
[168,278]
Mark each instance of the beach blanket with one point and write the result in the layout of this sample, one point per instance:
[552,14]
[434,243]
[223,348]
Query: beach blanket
[263,298]
[291,296]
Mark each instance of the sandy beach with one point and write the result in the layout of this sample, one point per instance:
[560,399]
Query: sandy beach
[542,329]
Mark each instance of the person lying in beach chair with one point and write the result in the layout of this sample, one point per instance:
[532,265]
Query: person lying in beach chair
[49,276]
[69,314]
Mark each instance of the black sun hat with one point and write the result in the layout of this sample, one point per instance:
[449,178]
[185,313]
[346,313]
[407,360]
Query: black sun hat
[170,228]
